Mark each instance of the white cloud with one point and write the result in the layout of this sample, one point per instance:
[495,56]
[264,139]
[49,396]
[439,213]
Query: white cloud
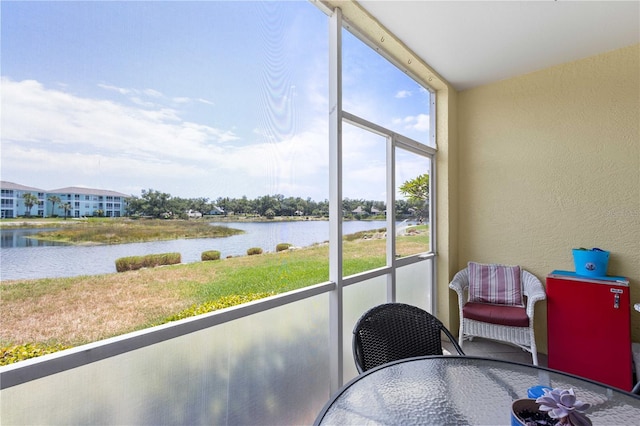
[149,97]
[34,113]
[58,128]
[120,90]
[301,155]
[152,93]
[63,137]
[139,101]
[403,94]
[420,122]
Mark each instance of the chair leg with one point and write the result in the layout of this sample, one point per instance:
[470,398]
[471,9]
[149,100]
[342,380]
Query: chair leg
[534,355]
[534,349]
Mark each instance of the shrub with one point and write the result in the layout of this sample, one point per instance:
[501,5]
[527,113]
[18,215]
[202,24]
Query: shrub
[221,303]
[254,250]
[133,263]
[283,246]
[11,354]
[210,255]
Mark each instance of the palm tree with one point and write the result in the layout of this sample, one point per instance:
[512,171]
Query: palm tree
[67,208]
[54,200]
[30,200]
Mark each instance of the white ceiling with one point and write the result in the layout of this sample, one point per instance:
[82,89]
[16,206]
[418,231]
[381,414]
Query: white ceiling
[471,43]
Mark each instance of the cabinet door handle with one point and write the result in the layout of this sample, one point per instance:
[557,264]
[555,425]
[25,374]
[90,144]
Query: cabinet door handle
[616,301]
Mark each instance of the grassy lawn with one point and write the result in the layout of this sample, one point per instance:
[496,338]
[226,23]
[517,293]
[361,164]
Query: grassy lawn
[78,310]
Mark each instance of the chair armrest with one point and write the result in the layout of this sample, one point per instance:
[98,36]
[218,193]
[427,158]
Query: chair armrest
[460,284]
[533,290]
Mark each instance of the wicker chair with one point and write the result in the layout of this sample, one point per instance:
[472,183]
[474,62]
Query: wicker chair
[394,331]
[521,336]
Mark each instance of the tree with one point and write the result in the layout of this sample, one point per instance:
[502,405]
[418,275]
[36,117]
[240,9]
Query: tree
[243,205]
[349,205]
[156,203]
[402,208]
[66,207]
[54,200]
[223,203]
[200,205]
[416,190]
[133,205]
[267,202]
[30,200]
[151,203]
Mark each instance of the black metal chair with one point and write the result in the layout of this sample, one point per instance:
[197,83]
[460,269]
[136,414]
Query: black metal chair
[394,331]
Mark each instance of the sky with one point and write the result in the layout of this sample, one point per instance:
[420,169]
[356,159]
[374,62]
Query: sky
[196,99]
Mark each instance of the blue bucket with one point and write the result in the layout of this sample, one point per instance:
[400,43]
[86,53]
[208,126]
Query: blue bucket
[591,263]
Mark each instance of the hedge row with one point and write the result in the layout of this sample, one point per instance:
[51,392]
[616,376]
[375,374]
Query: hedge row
[282,247]
[254,250]
[133,263]
[210,255]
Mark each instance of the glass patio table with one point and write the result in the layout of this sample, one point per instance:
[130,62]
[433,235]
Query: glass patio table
[456,390]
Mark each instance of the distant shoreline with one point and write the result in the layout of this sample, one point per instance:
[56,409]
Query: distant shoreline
[263,219]
[53,222]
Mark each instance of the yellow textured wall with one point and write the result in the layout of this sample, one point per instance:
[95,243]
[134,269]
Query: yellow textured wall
[550,161]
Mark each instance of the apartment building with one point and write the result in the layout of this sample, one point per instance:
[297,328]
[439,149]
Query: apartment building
[81,201]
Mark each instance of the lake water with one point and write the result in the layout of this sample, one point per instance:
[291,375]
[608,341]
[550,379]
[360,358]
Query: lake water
[25,258]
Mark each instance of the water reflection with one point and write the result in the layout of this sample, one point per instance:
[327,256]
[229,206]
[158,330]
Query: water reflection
[12,238]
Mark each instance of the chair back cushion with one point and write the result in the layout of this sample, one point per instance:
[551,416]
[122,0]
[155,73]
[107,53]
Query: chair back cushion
[494,283]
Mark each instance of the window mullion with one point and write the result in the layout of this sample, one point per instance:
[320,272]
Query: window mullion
[336,361]
[391,218]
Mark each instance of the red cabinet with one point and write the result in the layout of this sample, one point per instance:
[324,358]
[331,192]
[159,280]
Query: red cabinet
[589,329]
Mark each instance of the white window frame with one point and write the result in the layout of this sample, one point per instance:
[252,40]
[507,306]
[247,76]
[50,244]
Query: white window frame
[336,118]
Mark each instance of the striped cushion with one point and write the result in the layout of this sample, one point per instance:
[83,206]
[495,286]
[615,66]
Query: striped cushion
[498,284]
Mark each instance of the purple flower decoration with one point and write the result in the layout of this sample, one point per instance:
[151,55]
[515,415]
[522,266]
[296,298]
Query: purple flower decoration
[562,404]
